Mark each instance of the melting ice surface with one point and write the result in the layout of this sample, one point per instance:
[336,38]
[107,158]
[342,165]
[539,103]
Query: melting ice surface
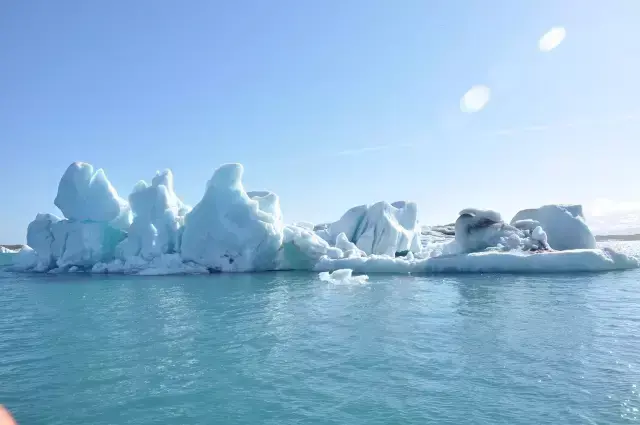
[234,230]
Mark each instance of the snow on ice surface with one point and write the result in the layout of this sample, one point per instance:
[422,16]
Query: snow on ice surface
[231,230]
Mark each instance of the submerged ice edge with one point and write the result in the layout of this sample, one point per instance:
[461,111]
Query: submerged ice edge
[233,230]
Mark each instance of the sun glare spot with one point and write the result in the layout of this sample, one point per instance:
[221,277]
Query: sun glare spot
[552,39]
[475,99]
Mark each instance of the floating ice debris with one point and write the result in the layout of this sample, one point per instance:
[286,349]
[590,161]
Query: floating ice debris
[343,276]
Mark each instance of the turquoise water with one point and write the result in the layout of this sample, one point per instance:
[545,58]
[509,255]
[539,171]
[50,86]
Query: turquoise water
[286,348]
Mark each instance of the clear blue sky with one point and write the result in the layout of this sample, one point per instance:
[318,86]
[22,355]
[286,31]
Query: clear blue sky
[327,103]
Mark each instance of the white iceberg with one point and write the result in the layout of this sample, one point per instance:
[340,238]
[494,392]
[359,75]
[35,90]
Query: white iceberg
[85,195]
[63,243]
[231,232]
[164,264]
[40,240]
[84,244]
[302,249]
[91,231]
[579,260]
[158,216]
[477,230]
[381,229]
[564,225]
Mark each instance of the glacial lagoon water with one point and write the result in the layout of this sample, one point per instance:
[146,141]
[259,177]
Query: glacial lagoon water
[287,348]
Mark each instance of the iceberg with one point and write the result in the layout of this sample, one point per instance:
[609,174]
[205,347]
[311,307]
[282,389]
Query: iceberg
[59,243]
[87,195]
[95,217]
[302,249]
[84,244]
[381,229]
[478,230]
[564,225]
[233,230]
[579,260]
[158,217]
[7,255]
[40,239]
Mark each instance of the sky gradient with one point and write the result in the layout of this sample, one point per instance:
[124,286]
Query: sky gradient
[329,104]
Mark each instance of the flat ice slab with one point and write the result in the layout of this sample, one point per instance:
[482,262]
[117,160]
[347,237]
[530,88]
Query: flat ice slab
[580,260]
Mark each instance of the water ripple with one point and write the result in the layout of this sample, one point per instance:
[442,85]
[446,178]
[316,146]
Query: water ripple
[288,348]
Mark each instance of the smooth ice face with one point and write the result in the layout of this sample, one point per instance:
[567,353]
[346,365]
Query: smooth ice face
[85,244]
[348,224]
[386,229]
[85,195]
[229,231]
[64,243]
[382,228]
[40,238]
[564,225]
